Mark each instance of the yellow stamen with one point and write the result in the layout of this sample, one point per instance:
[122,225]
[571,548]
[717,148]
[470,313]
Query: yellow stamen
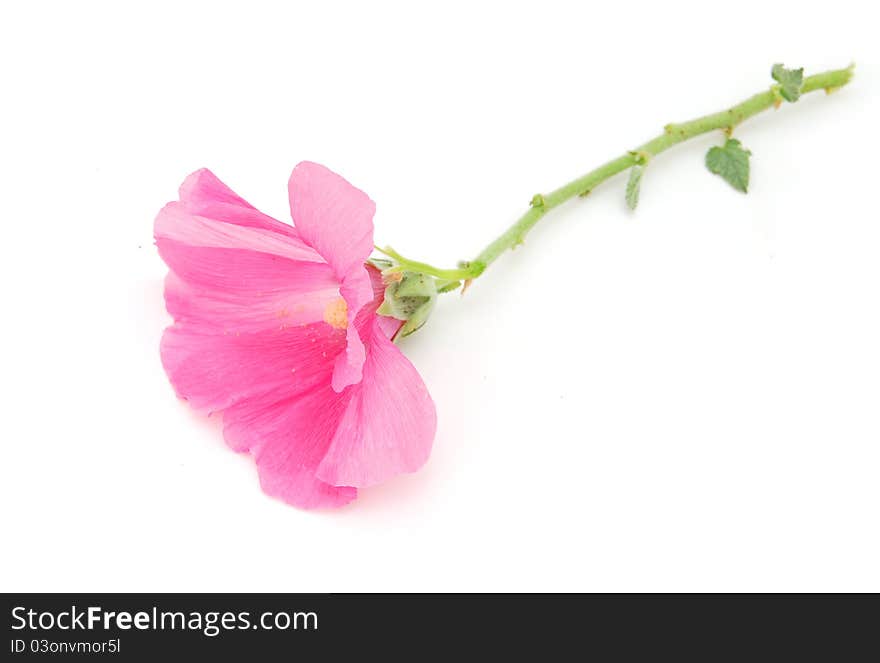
[336,313]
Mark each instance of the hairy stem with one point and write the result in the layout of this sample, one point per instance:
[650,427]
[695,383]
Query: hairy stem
[672,135]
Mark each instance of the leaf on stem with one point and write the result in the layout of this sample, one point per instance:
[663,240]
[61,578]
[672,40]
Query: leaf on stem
[730,162]
[790,81]
[632,186]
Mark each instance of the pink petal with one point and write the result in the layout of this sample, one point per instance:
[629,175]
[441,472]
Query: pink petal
[203,194]
[204,187]
[175,222]
[332,215]
[377,285]
[389,422]
[389,326]
[226,291]
[357,293]
[349,366]
[273,388]
[337,219]
[249,306]
[215,371]
[288,439]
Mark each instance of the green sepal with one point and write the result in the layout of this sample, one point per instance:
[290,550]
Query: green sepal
[385,308]
[416,285]
[410,299]
[380,263]
[417,321]
[447,286]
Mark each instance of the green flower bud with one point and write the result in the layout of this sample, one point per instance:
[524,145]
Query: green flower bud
[411,298]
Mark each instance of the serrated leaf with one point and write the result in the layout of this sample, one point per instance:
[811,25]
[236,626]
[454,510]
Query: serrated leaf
[730,162]
[632,186]
[790,81]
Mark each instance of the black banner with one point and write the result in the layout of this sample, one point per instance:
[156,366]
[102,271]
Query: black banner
[254,627]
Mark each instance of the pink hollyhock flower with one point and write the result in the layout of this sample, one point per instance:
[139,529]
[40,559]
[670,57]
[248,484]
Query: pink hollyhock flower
[276,327]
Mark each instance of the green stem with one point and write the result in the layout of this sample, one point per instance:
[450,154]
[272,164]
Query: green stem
[672,135]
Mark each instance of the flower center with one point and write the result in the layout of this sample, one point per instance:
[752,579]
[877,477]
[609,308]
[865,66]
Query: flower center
[336,313]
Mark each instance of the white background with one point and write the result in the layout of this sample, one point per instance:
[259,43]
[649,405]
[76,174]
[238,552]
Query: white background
[684,398]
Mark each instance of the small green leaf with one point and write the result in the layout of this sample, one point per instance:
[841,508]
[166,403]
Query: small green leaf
[632,186]
[790,81]
[730,162]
